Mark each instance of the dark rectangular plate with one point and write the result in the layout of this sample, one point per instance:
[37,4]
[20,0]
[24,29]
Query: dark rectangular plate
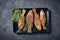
[34,30]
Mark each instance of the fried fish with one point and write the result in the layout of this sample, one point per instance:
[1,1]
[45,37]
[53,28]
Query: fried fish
[29,21]
[43,19]
[21,21]
[37,21]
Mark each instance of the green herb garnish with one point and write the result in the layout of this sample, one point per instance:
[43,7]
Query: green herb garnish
[16,15]
[25,28]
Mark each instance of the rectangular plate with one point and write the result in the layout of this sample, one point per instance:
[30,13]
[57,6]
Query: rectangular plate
[34,30]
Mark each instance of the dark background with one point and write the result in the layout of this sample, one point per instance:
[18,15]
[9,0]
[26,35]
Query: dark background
[6,24]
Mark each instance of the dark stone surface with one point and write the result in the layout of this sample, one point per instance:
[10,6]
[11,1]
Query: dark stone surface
[6,24]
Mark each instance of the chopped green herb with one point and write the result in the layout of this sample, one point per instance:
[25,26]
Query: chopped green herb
[16,15]
[25,28]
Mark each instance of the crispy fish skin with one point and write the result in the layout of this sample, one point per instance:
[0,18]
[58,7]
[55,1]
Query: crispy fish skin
[29,21]
[43,19]
[37,21]
[21,21]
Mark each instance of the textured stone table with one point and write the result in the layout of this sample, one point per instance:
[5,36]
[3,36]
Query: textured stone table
[6,24]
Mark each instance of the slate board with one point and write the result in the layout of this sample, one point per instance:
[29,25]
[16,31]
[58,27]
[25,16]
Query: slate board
[34,30]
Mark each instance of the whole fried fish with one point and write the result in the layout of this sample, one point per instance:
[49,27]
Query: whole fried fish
[43,19]
[37,21]
[21,21]
[29,21]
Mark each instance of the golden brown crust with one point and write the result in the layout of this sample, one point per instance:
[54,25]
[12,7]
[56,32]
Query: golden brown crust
[43,19]
[29,21]
[21,21]
[37,21]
